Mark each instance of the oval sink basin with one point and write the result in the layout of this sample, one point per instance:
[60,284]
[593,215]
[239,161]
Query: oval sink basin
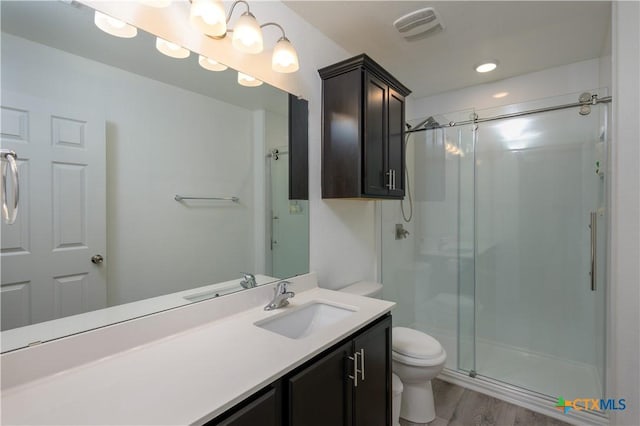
[305,320]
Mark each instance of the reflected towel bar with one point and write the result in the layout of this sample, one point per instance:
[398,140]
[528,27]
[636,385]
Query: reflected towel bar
[180,198]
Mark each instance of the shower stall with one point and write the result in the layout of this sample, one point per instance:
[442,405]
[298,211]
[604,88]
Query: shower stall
[505,263]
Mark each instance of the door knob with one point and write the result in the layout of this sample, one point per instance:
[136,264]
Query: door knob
[97,259]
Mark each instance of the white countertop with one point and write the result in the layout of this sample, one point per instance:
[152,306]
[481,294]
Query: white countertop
[185,378]
[45,331]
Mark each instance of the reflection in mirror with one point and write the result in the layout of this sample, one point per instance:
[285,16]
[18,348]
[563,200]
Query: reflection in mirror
[108,132]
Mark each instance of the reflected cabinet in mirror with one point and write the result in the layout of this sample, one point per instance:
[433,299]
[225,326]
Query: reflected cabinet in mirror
[146,182]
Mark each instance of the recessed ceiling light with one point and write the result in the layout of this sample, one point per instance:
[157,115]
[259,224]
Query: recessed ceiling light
[500,95]
[487,66]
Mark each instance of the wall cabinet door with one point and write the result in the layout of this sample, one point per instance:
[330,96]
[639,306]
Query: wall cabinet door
[375,135]
[395,147]
[320,395]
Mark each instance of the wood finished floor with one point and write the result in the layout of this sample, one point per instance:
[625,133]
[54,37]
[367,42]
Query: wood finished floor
[457,406]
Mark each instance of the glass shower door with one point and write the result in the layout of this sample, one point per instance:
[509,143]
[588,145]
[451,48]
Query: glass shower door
[289,239]
[539,188]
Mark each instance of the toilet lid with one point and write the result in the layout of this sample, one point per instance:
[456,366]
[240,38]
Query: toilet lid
[415,344]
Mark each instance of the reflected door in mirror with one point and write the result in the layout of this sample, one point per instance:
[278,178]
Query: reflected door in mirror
[47,271]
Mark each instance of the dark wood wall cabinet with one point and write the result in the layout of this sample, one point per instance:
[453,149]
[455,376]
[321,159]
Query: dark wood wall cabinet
[363,128]
[346,385]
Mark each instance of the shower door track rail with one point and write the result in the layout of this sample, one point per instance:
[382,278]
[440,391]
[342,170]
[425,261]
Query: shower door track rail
[594,101]
[526,398]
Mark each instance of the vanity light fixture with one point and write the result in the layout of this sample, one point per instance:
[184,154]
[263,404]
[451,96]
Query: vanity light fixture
[210,64]
[114,26]
[208,17]
[247,80]
[285,57]
[487,66]
[171,49]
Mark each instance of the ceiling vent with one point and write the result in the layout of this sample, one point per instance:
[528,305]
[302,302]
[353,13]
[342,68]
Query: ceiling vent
[419,24]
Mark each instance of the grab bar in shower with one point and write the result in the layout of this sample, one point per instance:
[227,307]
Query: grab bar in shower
[594,249]
[181,198]
[9,215]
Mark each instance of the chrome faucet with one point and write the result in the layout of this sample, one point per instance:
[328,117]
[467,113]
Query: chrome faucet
[280,297]
[248,280]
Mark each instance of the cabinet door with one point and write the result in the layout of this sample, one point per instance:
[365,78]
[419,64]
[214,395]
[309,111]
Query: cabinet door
[372,402]
[375,136]
[396,142]
[264,411]
[321,394]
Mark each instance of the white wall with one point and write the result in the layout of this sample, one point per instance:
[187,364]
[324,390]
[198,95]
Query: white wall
[161,141]
[624,355]
[548,83]
[342,233]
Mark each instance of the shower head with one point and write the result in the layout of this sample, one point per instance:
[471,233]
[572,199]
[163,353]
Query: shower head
[427,123]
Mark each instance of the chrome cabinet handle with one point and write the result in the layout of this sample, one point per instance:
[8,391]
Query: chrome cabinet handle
[594,249]
[394,179]
[9,215]
[362,364]
[390,174]
[354,358]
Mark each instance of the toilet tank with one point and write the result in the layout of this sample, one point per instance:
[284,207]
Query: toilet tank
[364,288]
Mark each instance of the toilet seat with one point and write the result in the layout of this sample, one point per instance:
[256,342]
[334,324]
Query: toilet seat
[416,348]
[417,362]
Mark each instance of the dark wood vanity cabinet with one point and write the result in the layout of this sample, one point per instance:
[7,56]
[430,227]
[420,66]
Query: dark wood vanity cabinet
[363,116]
[348,384]
[261,409]
[351,385]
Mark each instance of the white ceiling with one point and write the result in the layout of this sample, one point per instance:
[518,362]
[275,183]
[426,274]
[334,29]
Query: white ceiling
[71,28]
[523,36]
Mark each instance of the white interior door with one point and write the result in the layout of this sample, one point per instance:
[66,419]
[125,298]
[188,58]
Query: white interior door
[47,271]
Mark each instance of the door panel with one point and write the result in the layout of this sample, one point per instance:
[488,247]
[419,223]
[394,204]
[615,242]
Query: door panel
[320,395]
[396,141]
[538,178]
[375,131]
[61,221]
[373,394]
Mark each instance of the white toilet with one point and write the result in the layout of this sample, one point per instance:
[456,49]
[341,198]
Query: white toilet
[364,288]
[396,386]
[417,358]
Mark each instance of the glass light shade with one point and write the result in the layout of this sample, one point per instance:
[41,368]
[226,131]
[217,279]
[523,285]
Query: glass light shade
[285,58]
[247,80]
[114,26]
[210,64]
[208,17]
[487,66]
[171,49]
[156,3]
[247,34]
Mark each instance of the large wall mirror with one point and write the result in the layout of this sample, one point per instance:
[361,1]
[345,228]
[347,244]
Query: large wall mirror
[113,140]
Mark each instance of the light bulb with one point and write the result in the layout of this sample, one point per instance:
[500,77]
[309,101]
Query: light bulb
[247,80]
[114,26]
[210,64]
[487,66]
[247,34]
[171,49]
[285,58]
[208,17]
